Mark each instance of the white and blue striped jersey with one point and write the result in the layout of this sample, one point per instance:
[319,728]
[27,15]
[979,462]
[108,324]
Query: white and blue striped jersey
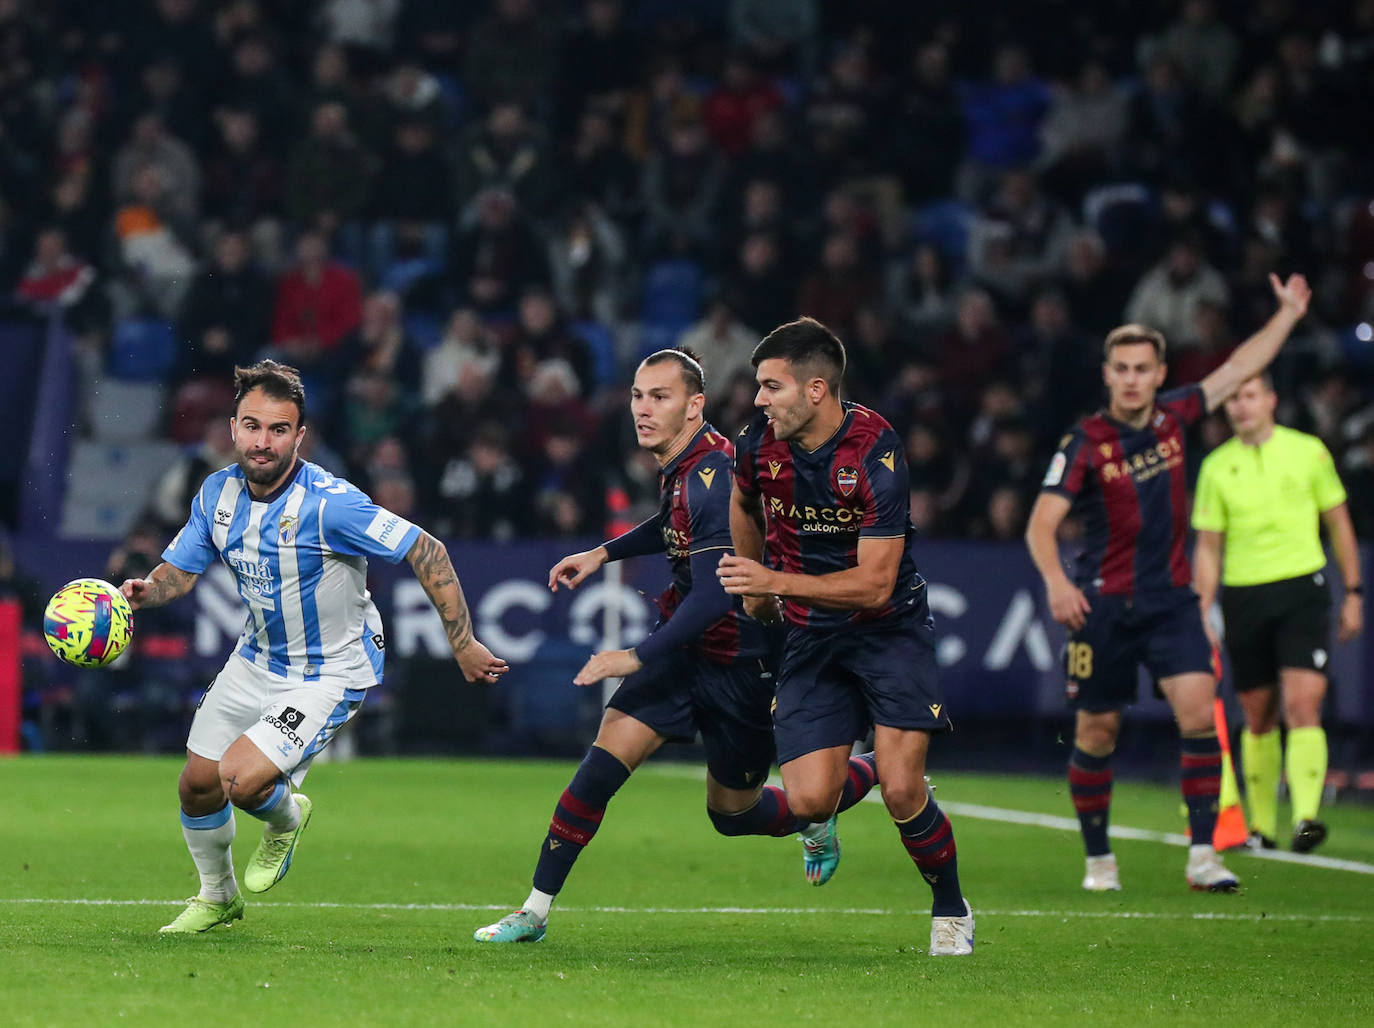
[299,556]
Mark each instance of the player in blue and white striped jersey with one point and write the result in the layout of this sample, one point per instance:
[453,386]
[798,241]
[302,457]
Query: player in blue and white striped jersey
[297,540]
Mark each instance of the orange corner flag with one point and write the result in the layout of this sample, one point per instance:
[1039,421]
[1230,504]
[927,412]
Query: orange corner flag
[1230,831]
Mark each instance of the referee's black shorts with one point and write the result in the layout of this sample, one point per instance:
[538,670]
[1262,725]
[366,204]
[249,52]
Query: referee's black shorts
[1276,625]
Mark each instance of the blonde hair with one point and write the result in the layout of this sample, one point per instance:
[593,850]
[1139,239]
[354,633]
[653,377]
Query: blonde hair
[1125,335]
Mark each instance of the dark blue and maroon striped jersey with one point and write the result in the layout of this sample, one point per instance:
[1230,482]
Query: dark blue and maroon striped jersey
[1129,487]
[819,504]
[694,515]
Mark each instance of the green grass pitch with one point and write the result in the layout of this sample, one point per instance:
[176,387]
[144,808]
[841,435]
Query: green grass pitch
[662,922]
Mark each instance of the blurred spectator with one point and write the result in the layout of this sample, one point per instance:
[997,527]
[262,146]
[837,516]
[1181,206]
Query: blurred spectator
[466,341]
[1357,472]
[541,336]
[1097,291]
[483,493]
[364,27]
[497,254]
[433,31]
[937,470]
[597,169]
[223,320]
[975,349]
[80,214]
[838,286]
[409,188]
[734,107]
[1165,126]
[380,344]
[1081,135]
[154,244]
[397,493]
[681,186]
[318,302]
[1064,366]
[16,585]
[172,495]
[663,101]
[588,259]
[600,58]
[928,131]
[722,342]
[1002,115]
[162,88]
[766,295]
[1167,297]
[554,407]
[869,354]
[568,485]
[1204,49]
[513,54]
[55,276]
[774,156]
[244,182]
[1004,517]
[843,116]
[375,407]
[779,34]
[151,145]
[411,93]
[921,290]
[506,149]
[1213,344]
[1018,239]
[329,173]
[256,83]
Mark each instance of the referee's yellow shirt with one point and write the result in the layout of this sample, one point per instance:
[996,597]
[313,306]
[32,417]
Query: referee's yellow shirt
[1268,500]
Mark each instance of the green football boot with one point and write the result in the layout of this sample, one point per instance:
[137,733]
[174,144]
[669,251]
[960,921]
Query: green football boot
[201,915]
[272,859]
[519,926]
[821,850]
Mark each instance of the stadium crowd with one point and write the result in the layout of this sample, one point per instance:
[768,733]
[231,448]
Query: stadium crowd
[464,221]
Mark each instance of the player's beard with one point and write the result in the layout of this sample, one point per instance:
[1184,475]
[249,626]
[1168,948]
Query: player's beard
[265,474]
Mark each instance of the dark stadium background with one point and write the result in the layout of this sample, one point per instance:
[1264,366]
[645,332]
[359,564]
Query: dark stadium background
[516,200]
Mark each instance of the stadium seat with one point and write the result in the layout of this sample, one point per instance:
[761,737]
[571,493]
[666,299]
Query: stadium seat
[124,411]
[424,329]
[194,404]
[945,225]
[670,301]
[1122,214]
[601,342]
[142,350]
[108,486]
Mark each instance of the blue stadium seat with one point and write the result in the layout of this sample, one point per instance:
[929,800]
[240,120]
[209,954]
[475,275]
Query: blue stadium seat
[602,345]
[1122,214]
[142,350]
[945,225]
[425,329]
[670,301]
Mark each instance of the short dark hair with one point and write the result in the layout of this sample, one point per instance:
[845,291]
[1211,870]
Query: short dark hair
[279,381]
[1126,335]
[805,342]
[693,375]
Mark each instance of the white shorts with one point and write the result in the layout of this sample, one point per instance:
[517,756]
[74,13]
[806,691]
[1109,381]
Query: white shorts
[290,723]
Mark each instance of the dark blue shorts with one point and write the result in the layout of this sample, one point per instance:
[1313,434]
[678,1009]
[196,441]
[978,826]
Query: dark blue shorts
[1102,658]
[833,685]
[683,693]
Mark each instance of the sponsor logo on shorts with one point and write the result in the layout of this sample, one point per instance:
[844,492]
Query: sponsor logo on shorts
[1319,658]
[287,722]
[935,709]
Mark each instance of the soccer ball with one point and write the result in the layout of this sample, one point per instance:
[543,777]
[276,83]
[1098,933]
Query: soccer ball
[88,623]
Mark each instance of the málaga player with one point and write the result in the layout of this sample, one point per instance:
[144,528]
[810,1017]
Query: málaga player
[705,668]
[1131,601]
[821,488]
[297,540]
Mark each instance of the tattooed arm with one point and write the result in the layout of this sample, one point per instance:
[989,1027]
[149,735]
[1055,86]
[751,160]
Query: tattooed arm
[164,583]
[435,571]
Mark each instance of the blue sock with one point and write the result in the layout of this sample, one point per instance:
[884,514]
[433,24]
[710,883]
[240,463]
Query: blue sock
[1090,786]
[577,817]
[769,816]
[1201,784]
[929,838]
[863,776]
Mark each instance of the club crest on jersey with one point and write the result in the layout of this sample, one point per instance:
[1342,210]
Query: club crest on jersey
[1105,449]
[288,526]
[847,479]
[677,490]
[774,466]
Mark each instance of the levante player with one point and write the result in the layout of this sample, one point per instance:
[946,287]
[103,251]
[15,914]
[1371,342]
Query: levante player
[707,667]
[1131,601]
[821,494]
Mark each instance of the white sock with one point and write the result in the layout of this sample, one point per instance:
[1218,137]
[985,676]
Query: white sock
[285,816]
[538,904]
[212,854]
[815,831]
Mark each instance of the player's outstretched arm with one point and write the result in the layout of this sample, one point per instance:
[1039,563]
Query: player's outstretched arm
[574,568]
[435,571]
[1255,354]
[1068,605]
[164,583]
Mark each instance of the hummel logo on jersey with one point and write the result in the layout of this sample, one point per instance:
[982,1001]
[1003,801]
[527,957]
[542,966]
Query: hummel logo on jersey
[889,460]
[707,475]
[935,709]
[774,466]
[223,517]
[1105,449]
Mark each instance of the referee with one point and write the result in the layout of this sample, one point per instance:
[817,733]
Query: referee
[1264,492]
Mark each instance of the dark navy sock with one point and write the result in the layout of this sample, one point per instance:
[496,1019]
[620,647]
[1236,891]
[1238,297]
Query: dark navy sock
[863,776]
[577,817]
[929,838]
[1090,785]
[769,816]
[1201,784]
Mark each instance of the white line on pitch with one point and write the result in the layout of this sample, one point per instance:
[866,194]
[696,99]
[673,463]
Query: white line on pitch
[1070,824]
[766,911]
